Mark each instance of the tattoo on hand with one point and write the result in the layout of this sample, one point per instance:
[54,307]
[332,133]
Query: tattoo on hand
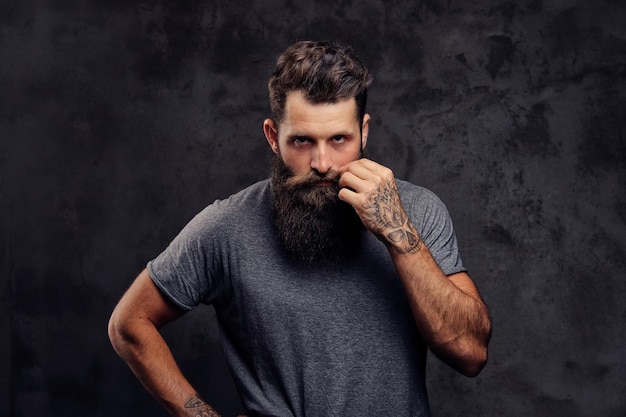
[199,408]
[389,214]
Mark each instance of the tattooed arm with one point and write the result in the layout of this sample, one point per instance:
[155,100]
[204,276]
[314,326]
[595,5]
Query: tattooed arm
[448,310]
[133,330]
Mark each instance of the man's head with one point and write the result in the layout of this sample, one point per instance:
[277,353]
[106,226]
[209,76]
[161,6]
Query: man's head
[318,95]
[325,72]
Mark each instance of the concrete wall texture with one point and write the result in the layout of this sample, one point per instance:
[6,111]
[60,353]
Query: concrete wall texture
[119,120]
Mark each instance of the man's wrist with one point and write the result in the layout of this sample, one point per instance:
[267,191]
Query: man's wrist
[404,240]
[197,407]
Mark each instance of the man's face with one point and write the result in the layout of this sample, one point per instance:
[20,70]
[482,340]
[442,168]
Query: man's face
[319,137]
[312,142]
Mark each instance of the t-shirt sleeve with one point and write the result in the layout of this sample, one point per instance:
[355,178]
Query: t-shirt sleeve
[430,216]
[186,272]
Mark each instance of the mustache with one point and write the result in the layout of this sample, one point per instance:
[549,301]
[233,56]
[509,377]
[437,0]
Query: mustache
[312,178]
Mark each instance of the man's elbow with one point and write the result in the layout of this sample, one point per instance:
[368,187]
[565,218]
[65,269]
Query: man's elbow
[119,333]
[477,352]
[476,355]
[474,363]
[113,330]
[467,356]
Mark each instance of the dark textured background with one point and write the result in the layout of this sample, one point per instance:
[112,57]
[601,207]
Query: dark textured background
[119,120]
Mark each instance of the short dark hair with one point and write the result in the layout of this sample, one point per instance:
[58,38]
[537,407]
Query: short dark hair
[324,71]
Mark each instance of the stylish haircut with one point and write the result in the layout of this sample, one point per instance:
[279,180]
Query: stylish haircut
[325,72]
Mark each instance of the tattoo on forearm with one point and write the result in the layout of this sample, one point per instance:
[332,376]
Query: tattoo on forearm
[199,408]
[389,214]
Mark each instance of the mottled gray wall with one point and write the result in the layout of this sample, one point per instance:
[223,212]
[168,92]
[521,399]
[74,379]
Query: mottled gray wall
[119,120]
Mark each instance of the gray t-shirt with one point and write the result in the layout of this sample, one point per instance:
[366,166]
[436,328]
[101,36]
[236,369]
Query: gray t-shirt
[315,341]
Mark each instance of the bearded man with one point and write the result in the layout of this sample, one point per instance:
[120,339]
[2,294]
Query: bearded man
[330,280]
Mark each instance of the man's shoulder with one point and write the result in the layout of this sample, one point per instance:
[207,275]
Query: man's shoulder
[250,204]
[252,193]
[419,199]
[406,188]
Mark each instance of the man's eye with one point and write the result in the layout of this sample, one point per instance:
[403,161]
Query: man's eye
[301,140]
[339,138]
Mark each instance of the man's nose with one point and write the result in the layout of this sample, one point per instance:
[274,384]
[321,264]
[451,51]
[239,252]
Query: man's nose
[320,160]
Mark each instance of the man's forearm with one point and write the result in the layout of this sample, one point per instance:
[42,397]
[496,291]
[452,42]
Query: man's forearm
[448,310]
[143,348]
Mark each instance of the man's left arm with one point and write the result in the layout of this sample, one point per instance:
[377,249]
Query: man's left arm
[448,310]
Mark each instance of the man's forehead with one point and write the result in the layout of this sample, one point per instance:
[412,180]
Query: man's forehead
[299,108]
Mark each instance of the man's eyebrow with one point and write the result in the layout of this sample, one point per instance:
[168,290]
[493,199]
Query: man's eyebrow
[306,136]
[297,136]
[344,133]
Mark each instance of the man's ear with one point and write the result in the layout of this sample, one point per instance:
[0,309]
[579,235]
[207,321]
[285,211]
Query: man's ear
[365,130]
[271,134]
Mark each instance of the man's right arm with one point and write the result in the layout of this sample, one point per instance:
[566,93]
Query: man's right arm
[134,334]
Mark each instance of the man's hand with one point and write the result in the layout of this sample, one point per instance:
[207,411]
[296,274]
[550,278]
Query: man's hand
[371,189]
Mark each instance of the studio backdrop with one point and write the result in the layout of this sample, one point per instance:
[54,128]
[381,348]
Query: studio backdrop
[120,120]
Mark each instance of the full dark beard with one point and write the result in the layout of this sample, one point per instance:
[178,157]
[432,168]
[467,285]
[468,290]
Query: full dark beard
[313,225]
